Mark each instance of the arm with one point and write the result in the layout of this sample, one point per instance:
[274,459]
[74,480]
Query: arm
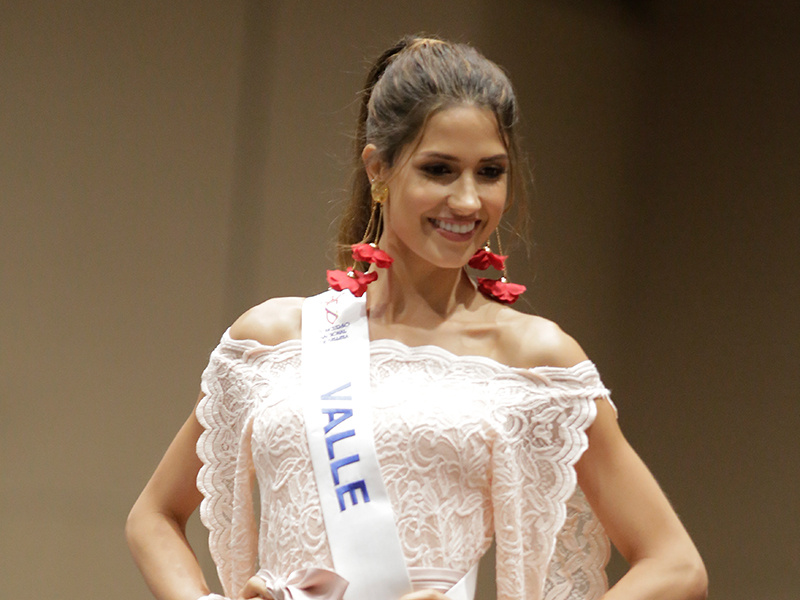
[664,564]
[156,526]
[157,522]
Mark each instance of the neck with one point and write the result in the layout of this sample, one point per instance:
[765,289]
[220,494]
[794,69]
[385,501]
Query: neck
[418,296]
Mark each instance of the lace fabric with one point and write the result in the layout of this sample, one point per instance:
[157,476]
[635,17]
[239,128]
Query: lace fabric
[469,449]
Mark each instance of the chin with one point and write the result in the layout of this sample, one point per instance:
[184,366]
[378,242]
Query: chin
[451,264]
[437,256]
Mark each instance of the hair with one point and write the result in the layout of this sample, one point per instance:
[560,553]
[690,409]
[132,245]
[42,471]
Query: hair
[409,82]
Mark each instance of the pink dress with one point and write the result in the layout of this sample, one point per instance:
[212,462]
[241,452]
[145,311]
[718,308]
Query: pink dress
[469,449]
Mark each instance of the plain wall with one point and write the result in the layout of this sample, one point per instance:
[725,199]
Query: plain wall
[163,166]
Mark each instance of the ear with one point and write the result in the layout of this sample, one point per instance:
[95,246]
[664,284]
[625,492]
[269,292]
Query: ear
[373,164]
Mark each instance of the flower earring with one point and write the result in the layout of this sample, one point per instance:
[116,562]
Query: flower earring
[501,289]
[366,250]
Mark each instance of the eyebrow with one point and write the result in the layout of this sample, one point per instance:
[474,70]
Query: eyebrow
[450,157]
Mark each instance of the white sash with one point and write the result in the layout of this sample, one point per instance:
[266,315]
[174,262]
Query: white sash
[358,516]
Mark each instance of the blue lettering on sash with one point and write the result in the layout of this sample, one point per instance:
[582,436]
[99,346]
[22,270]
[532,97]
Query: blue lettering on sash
[351,488]
[338,464]
[330,395]
[331,439]
[336,416]
[333,421]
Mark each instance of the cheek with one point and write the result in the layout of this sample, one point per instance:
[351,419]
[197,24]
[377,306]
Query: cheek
[497,201]
[421,192]
[414,199]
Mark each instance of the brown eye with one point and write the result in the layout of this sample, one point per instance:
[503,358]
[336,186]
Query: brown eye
[493,172]
[436,170]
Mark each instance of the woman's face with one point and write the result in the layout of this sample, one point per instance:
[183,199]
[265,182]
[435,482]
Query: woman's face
[447,190]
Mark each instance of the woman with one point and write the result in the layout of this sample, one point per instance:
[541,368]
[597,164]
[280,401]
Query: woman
[484,421]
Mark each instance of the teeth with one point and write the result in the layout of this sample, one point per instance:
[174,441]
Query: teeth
[455,227]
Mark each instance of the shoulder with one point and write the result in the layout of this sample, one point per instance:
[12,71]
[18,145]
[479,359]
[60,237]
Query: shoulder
[530,341]
[270,323]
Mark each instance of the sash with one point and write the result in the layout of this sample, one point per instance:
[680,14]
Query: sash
[358,516]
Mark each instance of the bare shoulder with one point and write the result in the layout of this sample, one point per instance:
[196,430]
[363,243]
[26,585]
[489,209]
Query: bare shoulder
[531,341]
[270,323]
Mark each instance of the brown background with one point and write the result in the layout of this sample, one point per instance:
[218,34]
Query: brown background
[164,165]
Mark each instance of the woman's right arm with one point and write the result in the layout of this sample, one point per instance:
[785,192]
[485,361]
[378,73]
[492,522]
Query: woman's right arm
[156,526]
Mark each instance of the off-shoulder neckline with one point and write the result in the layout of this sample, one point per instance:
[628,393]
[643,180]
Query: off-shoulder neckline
[251,345]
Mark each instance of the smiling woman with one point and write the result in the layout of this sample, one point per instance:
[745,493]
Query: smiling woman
[410,84]
[397,423]
[447,190]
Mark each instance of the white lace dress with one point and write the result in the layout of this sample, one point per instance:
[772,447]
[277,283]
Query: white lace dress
[468,448]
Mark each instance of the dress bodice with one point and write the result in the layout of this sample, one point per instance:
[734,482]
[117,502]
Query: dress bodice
[468,448]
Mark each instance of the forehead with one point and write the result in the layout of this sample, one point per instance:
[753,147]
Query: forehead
[461,130]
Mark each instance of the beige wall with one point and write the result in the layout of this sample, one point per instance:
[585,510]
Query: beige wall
[164,165]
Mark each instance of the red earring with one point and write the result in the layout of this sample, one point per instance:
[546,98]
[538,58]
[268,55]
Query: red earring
[368,252]
[485,258]
[354,280]
[501,289]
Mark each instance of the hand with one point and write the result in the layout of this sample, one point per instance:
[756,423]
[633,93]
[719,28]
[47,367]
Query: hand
[255,588]
[425,595]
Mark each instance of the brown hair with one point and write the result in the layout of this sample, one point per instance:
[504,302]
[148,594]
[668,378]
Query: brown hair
[408,83]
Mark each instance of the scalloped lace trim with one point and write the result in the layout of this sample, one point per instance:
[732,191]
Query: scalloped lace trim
[469,448]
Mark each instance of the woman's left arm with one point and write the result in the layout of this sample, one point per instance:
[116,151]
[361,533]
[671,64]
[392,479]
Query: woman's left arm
[664,563]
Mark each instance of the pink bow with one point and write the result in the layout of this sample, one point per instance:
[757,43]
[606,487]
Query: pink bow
[305,584]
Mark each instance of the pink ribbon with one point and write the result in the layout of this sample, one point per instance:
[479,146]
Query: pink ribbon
[305,584]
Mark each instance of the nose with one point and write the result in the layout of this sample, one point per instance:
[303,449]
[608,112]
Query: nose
[464,199]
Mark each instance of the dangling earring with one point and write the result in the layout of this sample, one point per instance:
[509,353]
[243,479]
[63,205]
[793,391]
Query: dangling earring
[366,250]
[485,258]
[498,289]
